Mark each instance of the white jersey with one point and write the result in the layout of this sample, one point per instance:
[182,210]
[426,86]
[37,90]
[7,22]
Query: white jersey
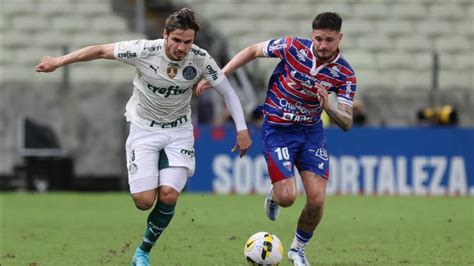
[162,87]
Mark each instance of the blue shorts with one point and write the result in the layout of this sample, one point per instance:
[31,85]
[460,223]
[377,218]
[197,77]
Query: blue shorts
[303,146]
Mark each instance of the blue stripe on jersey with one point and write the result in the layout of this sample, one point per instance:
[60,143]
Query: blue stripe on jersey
[273,111]
[300,56]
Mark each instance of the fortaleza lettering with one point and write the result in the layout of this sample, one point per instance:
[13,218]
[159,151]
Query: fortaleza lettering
[365,174]
[399,175]
[127,55]
[172,90]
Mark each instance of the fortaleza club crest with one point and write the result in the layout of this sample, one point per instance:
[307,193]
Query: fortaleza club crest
[172,70]
[287,165]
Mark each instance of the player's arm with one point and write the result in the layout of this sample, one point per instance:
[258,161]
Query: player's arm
[340,113]
[235,108]
[104,51]
[244,56]
[241,58]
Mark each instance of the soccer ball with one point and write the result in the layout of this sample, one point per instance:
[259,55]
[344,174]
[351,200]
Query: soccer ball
[263,248]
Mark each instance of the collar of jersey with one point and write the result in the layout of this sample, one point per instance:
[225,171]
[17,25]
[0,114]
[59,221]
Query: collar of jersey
[315,69]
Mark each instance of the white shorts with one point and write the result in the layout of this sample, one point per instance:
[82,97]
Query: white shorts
[151,151]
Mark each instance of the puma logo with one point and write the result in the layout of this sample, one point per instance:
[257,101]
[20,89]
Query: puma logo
[155,69]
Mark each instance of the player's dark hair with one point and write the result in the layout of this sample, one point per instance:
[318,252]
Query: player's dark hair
[327,21]
[183,20]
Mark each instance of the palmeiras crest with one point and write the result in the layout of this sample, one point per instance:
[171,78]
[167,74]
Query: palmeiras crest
[189,73]
[172,70]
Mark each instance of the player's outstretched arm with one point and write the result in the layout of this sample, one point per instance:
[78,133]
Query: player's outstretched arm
[243,57]
[49,64]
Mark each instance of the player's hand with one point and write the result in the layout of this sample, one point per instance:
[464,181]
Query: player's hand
[202,86]
[323,96]
[47,64]
[243,142]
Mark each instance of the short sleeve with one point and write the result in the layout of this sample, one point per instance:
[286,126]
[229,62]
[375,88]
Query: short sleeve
[129,51]
[346,91]
[212,72]
[277,47]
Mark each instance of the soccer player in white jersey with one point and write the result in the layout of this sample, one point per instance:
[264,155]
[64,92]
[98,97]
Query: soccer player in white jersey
[160,145]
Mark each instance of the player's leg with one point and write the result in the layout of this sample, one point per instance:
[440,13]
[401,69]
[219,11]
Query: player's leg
[311,215]
[172,182]
[176,163]
[144,200]
[279,148]
[142,149]
[284,192]
[143,176]
[142,166]
[315,188]
[281,194]
[313,165]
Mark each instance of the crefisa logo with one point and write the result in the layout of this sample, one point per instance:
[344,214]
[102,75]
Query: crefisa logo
[127,55]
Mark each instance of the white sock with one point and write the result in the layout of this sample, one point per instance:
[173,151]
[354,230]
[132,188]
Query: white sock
[300,240]
[296,244]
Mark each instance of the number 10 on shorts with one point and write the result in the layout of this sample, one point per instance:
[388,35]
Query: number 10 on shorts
[282,153]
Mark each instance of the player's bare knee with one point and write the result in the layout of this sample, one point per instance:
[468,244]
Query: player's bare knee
[143,204]
[286,200]
[168,199]
[286,203]
[285,194]
[168,196]
[316,201]
[144,200]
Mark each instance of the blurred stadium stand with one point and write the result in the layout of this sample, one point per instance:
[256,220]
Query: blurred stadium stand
[45,165]
[83,103]
[390,44]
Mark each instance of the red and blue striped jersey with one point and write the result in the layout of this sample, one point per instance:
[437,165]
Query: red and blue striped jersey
[291,97]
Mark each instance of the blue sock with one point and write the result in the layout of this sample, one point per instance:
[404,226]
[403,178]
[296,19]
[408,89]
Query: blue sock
[301,239]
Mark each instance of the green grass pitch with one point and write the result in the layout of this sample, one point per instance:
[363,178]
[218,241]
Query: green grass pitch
[207,229]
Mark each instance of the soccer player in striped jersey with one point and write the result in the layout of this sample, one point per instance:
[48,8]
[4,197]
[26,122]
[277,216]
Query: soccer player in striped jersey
[292,131]
[160,146]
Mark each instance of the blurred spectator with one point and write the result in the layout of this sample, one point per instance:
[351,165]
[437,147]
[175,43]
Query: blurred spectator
[326,120]
[257,116]
[445,115]
[359,117]
[205,109]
